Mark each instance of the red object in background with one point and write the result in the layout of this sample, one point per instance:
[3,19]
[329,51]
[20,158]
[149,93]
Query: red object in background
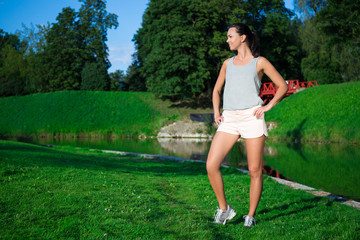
[268,90]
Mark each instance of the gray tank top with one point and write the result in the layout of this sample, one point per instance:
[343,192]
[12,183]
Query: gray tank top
[242,86]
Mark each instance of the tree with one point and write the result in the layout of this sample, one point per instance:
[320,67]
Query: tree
[181,44]
[12,79]
[94,77]
[77,39]
[343,31]
[94,21]
[331,40]
[309,8]
[133,78]
[12,65]
[63,53]
[117,81]
[319,62]
[33,40]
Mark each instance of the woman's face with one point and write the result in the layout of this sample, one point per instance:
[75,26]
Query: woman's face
[233,39]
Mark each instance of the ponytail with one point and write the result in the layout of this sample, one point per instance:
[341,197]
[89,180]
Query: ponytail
[254,46]
[251,37]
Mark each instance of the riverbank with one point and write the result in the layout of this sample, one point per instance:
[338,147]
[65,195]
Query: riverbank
[328,113]
[66,192]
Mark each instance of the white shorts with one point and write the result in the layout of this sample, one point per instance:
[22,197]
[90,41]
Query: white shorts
[243,123]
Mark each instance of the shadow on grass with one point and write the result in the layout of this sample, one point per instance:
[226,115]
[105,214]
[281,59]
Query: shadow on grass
[292,208]
[203,101]
[22,155]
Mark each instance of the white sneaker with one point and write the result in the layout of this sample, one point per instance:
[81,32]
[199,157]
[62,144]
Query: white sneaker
[222,216]
[249,221]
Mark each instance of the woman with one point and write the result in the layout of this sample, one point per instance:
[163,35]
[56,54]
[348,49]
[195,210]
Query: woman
[243,116]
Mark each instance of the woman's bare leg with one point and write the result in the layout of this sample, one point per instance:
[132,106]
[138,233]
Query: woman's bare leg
[255,153]
[220,147]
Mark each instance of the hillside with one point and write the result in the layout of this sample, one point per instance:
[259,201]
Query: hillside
[86,113]
[323,113]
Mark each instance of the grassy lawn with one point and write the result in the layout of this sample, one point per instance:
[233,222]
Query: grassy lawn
[72,193]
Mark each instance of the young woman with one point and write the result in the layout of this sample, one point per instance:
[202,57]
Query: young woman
[243,116]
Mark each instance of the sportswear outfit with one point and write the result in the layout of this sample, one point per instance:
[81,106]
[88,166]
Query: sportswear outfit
[241,98]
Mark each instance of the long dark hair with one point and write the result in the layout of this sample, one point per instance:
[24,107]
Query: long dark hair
[251,37]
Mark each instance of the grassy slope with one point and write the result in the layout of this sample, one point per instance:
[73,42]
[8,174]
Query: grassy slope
[98,113]
[323,113]
[68,193]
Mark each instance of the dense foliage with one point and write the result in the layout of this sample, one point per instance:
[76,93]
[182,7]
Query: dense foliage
[55,57]
[12,65]
[332,44]
[181,44]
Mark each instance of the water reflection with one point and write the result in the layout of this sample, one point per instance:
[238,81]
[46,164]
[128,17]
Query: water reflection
[330,167]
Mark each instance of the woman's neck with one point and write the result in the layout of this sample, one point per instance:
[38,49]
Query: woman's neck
[244,53]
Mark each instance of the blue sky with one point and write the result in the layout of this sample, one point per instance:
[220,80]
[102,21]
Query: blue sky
[15,12]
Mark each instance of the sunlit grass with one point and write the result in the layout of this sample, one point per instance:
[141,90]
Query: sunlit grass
[86,113]
[71,193]
[322,113]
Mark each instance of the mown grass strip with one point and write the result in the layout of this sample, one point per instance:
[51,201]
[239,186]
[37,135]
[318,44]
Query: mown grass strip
[76,193]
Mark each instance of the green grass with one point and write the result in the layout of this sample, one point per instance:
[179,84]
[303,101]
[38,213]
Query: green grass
[328,113]
[72,193]
[323,113]
[86,113]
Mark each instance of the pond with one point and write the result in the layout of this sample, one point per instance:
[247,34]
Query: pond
[330,167]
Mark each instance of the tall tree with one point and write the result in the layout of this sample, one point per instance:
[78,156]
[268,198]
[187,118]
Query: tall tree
[94,21]
[133,78]
[12,65]
[34,42]
[181,44]
[63,53]
[309,8]
[331,40]
[12,78]
[77,39]
[173,44]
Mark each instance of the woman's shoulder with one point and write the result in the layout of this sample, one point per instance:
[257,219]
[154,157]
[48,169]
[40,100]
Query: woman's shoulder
[226,62]
[262,61]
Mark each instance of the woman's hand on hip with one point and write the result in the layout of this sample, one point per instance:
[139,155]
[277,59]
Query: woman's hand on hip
[258,113]
[218,120]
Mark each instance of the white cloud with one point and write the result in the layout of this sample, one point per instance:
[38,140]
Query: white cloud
[120,56]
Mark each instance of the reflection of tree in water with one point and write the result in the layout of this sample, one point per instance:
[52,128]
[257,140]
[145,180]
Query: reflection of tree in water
[237,156]
[186,148]
[330,167]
